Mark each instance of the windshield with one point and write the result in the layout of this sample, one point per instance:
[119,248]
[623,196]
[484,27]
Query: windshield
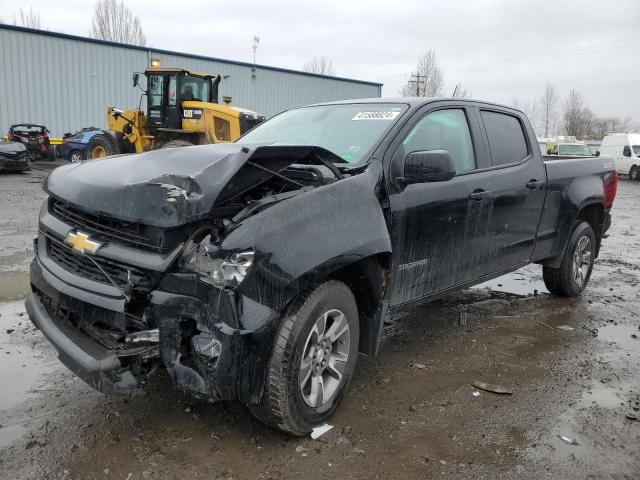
[581,150]
[636,149]
[350,131]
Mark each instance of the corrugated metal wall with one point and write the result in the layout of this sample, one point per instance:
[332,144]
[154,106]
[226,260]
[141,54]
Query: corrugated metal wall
[67,82]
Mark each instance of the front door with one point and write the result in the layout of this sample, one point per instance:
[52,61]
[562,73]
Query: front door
[438,229]
[156,100]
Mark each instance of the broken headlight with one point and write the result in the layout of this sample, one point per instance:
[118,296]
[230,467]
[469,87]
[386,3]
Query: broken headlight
[206,260]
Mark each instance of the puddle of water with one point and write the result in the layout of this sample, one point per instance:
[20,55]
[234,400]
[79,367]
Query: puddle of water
[522,282]
[602,396]
[14,285]
[621,336]
[10,434]
[22,367]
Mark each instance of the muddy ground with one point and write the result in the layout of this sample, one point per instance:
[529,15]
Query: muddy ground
[411,412]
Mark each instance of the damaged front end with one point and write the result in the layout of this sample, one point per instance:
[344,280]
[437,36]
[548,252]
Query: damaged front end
[164,287]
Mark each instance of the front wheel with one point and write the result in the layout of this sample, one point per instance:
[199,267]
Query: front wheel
[100,146]
[313,360]
[634,173]
[572,277]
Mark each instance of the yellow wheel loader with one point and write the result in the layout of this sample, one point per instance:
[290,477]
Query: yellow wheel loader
[182,110]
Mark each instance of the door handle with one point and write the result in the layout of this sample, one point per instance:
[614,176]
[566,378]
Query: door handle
[533,184]
[477,195]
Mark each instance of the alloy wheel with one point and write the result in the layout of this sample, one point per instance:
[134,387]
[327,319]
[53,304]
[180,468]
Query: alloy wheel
[324,358]
[581,260]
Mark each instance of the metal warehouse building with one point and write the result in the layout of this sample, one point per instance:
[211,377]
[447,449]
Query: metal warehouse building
[66,82]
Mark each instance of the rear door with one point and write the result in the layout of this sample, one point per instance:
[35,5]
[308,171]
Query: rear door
[438,229]
[518,186]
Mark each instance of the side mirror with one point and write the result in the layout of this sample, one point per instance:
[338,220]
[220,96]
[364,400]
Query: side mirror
[597,153]
[136,78]
[548,151]
[66,135]
[428,166]
[626,151]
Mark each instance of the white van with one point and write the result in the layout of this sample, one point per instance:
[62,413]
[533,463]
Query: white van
[624,148]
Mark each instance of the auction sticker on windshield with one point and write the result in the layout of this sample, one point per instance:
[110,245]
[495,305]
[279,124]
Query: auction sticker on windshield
[375,116]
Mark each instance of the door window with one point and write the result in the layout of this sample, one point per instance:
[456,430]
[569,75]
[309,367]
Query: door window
[172,91]
[156,90]
[444,130]
[507,141]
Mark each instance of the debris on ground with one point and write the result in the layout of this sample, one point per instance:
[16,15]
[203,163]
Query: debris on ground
[476,393]
[462,318]
[489,387]
[421,366]
[564,327]
[317,432]
[568,440]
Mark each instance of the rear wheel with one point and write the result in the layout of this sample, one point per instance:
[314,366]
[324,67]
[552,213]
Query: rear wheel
[313,360]
[100,146]
[177,144]
[572,277]
[634,173]
[76,156]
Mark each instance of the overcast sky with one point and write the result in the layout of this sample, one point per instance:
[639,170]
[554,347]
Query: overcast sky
[498,49]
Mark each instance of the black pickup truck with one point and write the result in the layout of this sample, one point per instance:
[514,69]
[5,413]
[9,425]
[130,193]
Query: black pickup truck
[257,271]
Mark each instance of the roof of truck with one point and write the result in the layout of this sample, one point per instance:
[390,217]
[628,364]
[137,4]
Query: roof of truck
[414,101]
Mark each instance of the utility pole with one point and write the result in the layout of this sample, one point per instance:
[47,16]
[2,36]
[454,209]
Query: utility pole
[418,80]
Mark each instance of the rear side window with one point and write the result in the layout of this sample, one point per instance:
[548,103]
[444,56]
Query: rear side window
[506,138]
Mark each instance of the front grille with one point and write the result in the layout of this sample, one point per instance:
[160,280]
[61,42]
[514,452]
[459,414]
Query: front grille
[107,327]
[112,229]
[82,265]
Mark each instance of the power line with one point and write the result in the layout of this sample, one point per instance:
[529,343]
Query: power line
[559,81]
[540,56]
[537,56]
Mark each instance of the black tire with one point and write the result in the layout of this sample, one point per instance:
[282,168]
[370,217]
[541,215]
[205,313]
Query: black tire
[562,281]
[634,172]
[282,405]
[101,145]
[178,143]
[76,156]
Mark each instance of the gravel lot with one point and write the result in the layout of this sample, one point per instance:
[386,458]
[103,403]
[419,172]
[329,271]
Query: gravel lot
[411,412]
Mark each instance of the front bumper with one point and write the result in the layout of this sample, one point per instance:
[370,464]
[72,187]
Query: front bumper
[19,164]
[212,342]
[104,370]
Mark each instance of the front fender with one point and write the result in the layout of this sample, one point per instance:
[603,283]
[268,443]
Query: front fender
[310,236]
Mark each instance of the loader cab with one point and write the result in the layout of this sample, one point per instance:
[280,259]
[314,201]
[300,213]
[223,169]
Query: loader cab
[168,88]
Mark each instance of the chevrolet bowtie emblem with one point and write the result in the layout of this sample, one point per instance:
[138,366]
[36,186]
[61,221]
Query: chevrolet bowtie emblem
[81,243]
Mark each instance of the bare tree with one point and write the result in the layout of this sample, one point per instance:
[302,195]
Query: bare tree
[574,114]
[428,79]
[321,65]
[28,19]
[548,110]
[115,22]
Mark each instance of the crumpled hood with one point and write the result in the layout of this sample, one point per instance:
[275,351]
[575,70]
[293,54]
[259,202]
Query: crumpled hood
[12,148]
[170,187]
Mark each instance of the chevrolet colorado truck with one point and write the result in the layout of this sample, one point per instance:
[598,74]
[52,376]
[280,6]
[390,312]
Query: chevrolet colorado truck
[257,271]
